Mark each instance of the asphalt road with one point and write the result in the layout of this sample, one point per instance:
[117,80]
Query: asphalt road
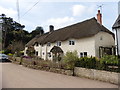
[17,76]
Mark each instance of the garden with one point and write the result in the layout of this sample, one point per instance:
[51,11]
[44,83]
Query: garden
[69,61]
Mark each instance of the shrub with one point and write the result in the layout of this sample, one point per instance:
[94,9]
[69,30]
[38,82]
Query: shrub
[86,62]
[70,59]
[109,60]
[10,54]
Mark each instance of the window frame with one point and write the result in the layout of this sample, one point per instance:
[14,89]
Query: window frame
[71,42]
[59,43]
[49,44]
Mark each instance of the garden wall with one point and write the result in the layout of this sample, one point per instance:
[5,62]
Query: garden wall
[106,76]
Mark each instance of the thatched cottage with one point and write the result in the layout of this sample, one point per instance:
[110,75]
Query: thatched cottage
[88,38]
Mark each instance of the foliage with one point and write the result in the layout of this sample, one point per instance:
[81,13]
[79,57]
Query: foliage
[86,62]
[69,59]
[10,54]
[30,51]
[104,63]
[13,35]
[109,60]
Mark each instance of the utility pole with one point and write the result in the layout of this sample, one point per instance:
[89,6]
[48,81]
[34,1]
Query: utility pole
[18,10]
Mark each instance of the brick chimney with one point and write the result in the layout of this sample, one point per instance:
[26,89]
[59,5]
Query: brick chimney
[51,28]
[99,17]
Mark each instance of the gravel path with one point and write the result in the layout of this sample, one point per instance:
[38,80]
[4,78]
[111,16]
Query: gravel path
[17,76]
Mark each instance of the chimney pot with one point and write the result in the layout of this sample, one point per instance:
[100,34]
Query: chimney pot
[51,28]
[99,17]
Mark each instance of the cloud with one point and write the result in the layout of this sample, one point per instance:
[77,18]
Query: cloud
[58,22]
[8,11]
[79,10]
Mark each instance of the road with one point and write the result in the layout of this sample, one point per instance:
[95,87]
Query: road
[17,76]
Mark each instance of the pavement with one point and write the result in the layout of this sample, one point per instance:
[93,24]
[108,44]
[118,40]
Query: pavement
[18,76]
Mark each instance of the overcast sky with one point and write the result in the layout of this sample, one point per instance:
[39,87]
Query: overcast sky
[59,13]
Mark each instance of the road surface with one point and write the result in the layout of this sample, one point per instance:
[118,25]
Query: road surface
[17,76]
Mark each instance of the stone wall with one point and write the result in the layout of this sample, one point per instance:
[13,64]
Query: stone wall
[106,76]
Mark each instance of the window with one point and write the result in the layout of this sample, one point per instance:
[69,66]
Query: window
[36,53]
[48,44]
[58,43]
[49,54]
[71,42]
[83,54]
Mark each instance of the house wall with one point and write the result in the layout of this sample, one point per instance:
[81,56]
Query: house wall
[118,35]
[25,51]
[81,45]
[103,39]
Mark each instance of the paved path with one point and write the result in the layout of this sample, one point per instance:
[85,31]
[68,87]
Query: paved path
[17,76]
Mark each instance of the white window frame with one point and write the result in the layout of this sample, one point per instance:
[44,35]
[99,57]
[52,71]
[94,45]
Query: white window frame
[71,42]
[59,43]
[83,54]
[49,44]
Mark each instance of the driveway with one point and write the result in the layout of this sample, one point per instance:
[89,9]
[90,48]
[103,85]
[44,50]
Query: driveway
[17,76]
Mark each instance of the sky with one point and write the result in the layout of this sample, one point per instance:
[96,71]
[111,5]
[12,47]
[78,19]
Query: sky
[59,13]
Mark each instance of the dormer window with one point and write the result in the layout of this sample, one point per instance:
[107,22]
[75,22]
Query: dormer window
[48,44]
[59,43]
[71,42]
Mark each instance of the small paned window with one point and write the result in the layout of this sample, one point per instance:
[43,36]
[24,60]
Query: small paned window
[83,54]
[71,42]
[49,54]
[36,53]
[48,44]
[58,43]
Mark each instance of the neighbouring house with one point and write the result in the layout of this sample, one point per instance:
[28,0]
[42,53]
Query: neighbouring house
[116,27]
[88,38]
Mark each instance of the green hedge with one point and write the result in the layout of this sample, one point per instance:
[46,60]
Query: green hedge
[108,63]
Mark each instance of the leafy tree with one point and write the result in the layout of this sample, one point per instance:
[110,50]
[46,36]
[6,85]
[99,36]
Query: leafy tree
[70,59]
[38,31]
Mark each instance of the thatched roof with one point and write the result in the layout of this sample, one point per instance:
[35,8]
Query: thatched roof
[117,23]
[83,29]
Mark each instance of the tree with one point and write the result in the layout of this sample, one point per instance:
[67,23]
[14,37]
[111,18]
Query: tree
[7,26]
[38,31]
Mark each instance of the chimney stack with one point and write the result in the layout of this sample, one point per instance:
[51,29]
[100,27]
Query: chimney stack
[99,17]
[51,28]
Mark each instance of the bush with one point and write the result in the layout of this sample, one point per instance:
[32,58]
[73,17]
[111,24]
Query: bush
[70,59]
[109,60]
[86,62]
[10,54]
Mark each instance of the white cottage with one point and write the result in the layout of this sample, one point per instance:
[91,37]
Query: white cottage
[88,38]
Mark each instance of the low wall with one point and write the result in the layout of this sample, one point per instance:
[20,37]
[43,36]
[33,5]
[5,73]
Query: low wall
[106,76]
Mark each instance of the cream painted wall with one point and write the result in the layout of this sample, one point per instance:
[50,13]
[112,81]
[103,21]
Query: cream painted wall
[81,45]
[25,51]
[103,39]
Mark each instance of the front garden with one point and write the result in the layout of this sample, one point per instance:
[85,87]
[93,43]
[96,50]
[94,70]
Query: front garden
[71,60]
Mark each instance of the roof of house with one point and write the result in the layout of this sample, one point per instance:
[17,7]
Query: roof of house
[117,23]
[83,29]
